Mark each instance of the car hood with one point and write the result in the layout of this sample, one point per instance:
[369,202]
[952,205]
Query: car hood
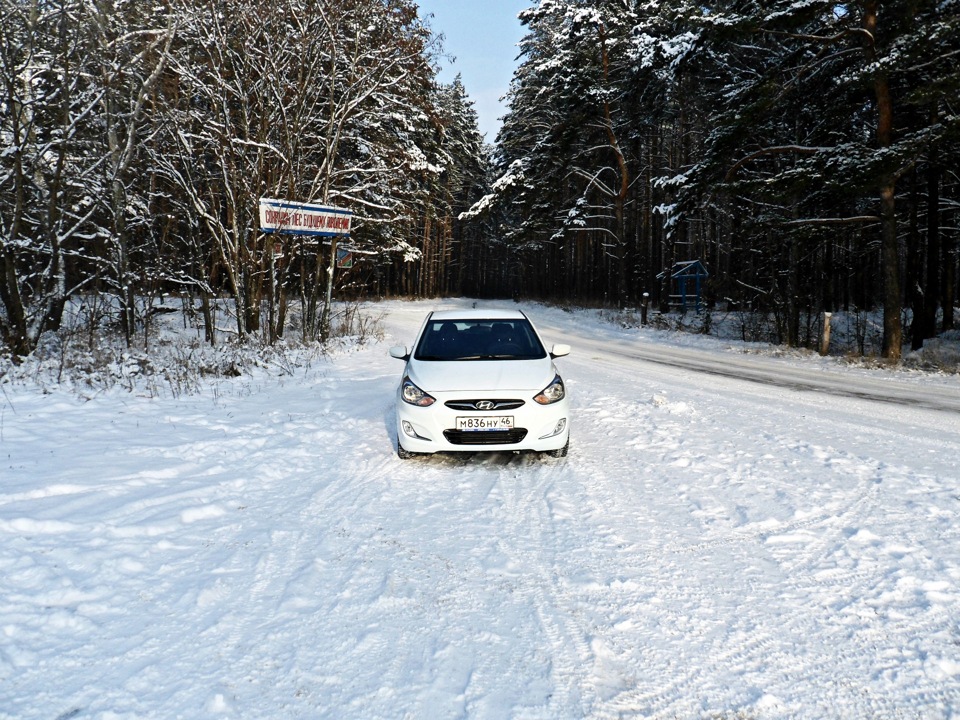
[482,375]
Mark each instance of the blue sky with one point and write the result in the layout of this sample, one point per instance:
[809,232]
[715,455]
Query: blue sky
[482,35]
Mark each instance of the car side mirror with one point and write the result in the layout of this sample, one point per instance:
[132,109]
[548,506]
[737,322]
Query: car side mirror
[559,350]
[400,352]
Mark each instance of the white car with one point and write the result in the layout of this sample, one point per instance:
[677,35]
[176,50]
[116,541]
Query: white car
[481,380]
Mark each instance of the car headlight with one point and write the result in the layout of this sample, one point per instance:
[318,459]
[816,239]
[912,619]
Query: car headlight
[552,393]
[414,395]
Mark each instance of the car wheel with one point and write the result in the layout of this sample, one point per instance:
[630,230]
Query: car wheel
[559,452]
[404,454]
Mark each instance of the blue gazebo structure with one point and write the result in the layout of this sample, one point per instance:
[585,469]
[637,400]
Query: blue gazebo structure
[686,279]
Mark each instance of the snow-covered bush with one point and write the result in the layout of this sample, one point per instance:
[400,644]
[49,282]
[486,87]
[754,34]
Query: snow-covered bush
[176,361]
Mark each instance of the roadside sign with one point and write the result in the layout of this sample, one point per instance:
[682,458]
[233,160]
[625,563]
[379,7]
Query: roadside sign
[344,258]
[293,218]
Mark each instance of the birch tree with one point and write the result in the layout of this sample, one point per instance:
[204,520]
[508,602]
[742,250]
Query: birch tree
[130,51]
[47,166]
[316,102]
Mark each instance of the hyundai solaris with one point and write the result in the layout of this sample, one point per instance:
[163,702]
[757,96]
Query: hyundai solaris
[481,380]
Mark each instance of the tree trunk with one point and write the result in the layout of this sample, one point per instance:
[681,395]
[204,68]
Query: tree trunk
[328,300]
[932,291]
[125,291]
[793,293]
[925,318]
[15,326]
[209,326]
[623,190]
[892,305]
[949,252]
[892,295]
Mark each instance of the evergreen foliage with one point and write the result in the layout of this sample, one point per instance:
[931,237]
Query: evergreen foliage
[806,153]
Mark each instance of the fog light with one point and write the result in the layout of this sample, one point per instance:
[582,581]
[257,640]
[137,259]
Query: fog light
[410,432]
[557,430]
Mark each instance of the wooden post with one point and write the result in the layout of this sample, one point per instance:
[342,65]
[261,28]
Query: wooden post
[825,339]
[643,308]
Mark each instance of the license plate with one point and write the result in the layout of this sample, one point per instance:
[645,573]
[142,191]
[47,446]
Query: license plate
[481,423]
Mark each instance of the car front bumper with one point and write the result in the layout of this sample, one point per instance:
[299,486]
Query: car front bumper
[432,429]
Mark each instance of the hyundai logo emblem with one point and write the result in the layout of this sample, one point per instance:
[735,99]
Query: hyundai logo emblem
[484,405]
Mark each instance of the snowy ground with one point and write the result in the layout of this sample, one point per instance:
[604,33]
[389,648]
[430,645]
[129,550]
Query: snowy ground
[713,547]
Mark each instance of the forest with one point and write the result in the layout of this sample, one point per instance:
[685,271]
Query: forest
[805,154]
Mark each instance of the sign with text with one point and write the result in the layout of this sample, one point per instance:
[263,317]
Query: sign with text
[293,218]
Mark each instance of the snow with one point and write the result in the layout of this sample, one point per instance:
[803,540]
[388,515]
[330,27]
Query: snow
[713,546]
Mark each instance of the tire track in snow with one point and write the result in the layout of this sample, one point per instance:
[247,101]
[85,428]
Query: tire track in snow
[749,650]
[533,531]
[705,551]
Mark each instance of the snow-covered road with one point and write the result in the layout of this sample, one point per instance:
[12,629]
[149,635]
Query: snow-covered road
[711,548]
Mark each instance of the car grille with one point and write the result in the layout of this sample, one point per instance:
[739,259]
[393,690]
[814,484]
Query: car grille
[490,437]
[471,405]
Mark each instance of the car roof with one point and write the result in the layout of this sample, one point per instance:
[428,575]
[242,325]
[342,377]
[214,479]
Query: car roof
[478,314]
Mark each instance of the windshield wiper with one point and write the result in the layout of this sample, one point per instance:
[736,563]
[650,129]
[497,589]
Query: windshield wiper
[508,356]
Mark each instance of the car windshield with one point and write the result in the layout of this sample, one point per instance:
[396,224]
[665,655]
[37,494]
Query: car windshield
[512,339]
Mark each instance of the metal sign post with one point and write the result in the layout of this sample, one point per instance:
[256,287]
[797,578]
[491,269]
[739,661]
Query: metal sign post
[295,218]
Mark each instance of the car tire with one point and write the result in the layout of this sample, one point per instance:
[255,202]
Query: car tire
[559,452]
[404,454]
